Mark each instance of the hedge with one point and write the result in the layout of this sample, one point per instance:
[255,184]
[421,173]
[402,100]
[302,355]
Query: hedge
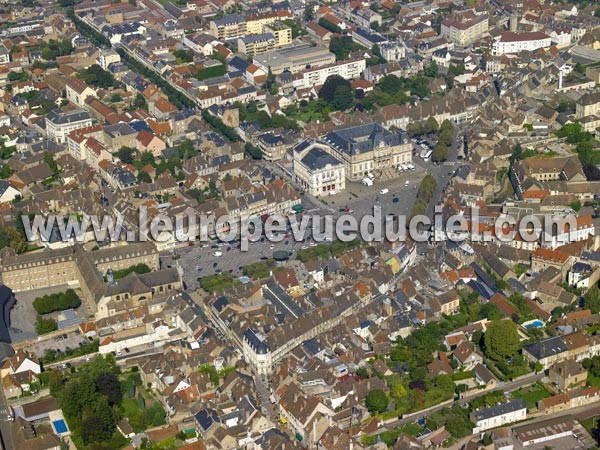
[56,302]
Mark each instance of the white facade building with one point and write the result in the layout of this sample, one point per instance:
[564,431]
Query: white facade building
[257,353]
[60,123]
[349,70]
[106,57]
[317,171]
[498,415]
[519,42]
[392,51]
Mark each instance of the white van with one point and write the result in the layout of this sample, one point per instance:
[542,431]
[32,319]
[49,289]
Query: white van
[218,253]
[367,182]
[384,191]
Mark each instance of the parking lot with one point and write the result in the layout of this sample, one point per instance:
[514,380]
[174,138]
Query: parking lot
[59,343]
[23,315]
[361,199]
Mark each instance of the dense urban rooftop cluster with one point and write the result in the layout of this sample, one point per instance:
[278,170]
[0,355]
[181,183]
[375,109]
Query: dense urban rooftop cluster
[480,112]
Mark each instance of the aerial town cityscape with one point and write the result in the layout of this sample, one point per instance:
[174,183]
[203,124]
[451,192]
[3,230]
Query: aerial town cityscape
[127,324]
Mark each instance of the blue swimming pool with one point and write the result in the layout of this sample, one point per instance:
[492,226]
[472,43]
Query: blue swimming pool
[60,426]
[534,324]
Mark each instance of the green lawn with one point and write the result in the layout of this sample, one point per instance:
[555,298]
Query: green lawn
[412,429]
[532,395]
[130,406]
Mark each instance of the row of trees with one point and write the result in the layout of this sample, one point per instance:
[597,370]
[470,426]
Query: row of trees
[424,196]
[219,126]
[445,137]
[56,302]
[98,39]
[176,97]
[422,127]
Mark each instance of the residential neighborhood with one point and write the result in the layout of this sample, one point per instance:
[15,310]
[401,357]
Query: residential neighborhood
[285,224]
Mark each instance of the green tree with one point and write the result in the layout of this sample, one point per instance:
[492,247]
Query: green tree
[115,98]
[309,12]
[143,177]
[340,46]
[440,152]
[44,326]
[97,76]
[99,423]
[501,340]
[391,84]
[49,159]
[329,26]
[431,124]
[108,385]
[253,151]
[10,237]
[433,70]
[376,401]
[343,98]
[126,154]
[140,101]
[591,300]
[330,90]
[146,158]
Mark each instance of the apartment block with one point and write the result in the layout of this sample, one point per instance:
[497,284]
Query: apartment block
[60,123]
[229,27]
[256,23]
[281,33]
[349,70]
[256,44]
[465,31]
[518,42]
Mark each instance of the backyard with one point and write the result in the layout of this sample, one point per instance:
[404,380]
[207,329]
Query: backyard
[532,395]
